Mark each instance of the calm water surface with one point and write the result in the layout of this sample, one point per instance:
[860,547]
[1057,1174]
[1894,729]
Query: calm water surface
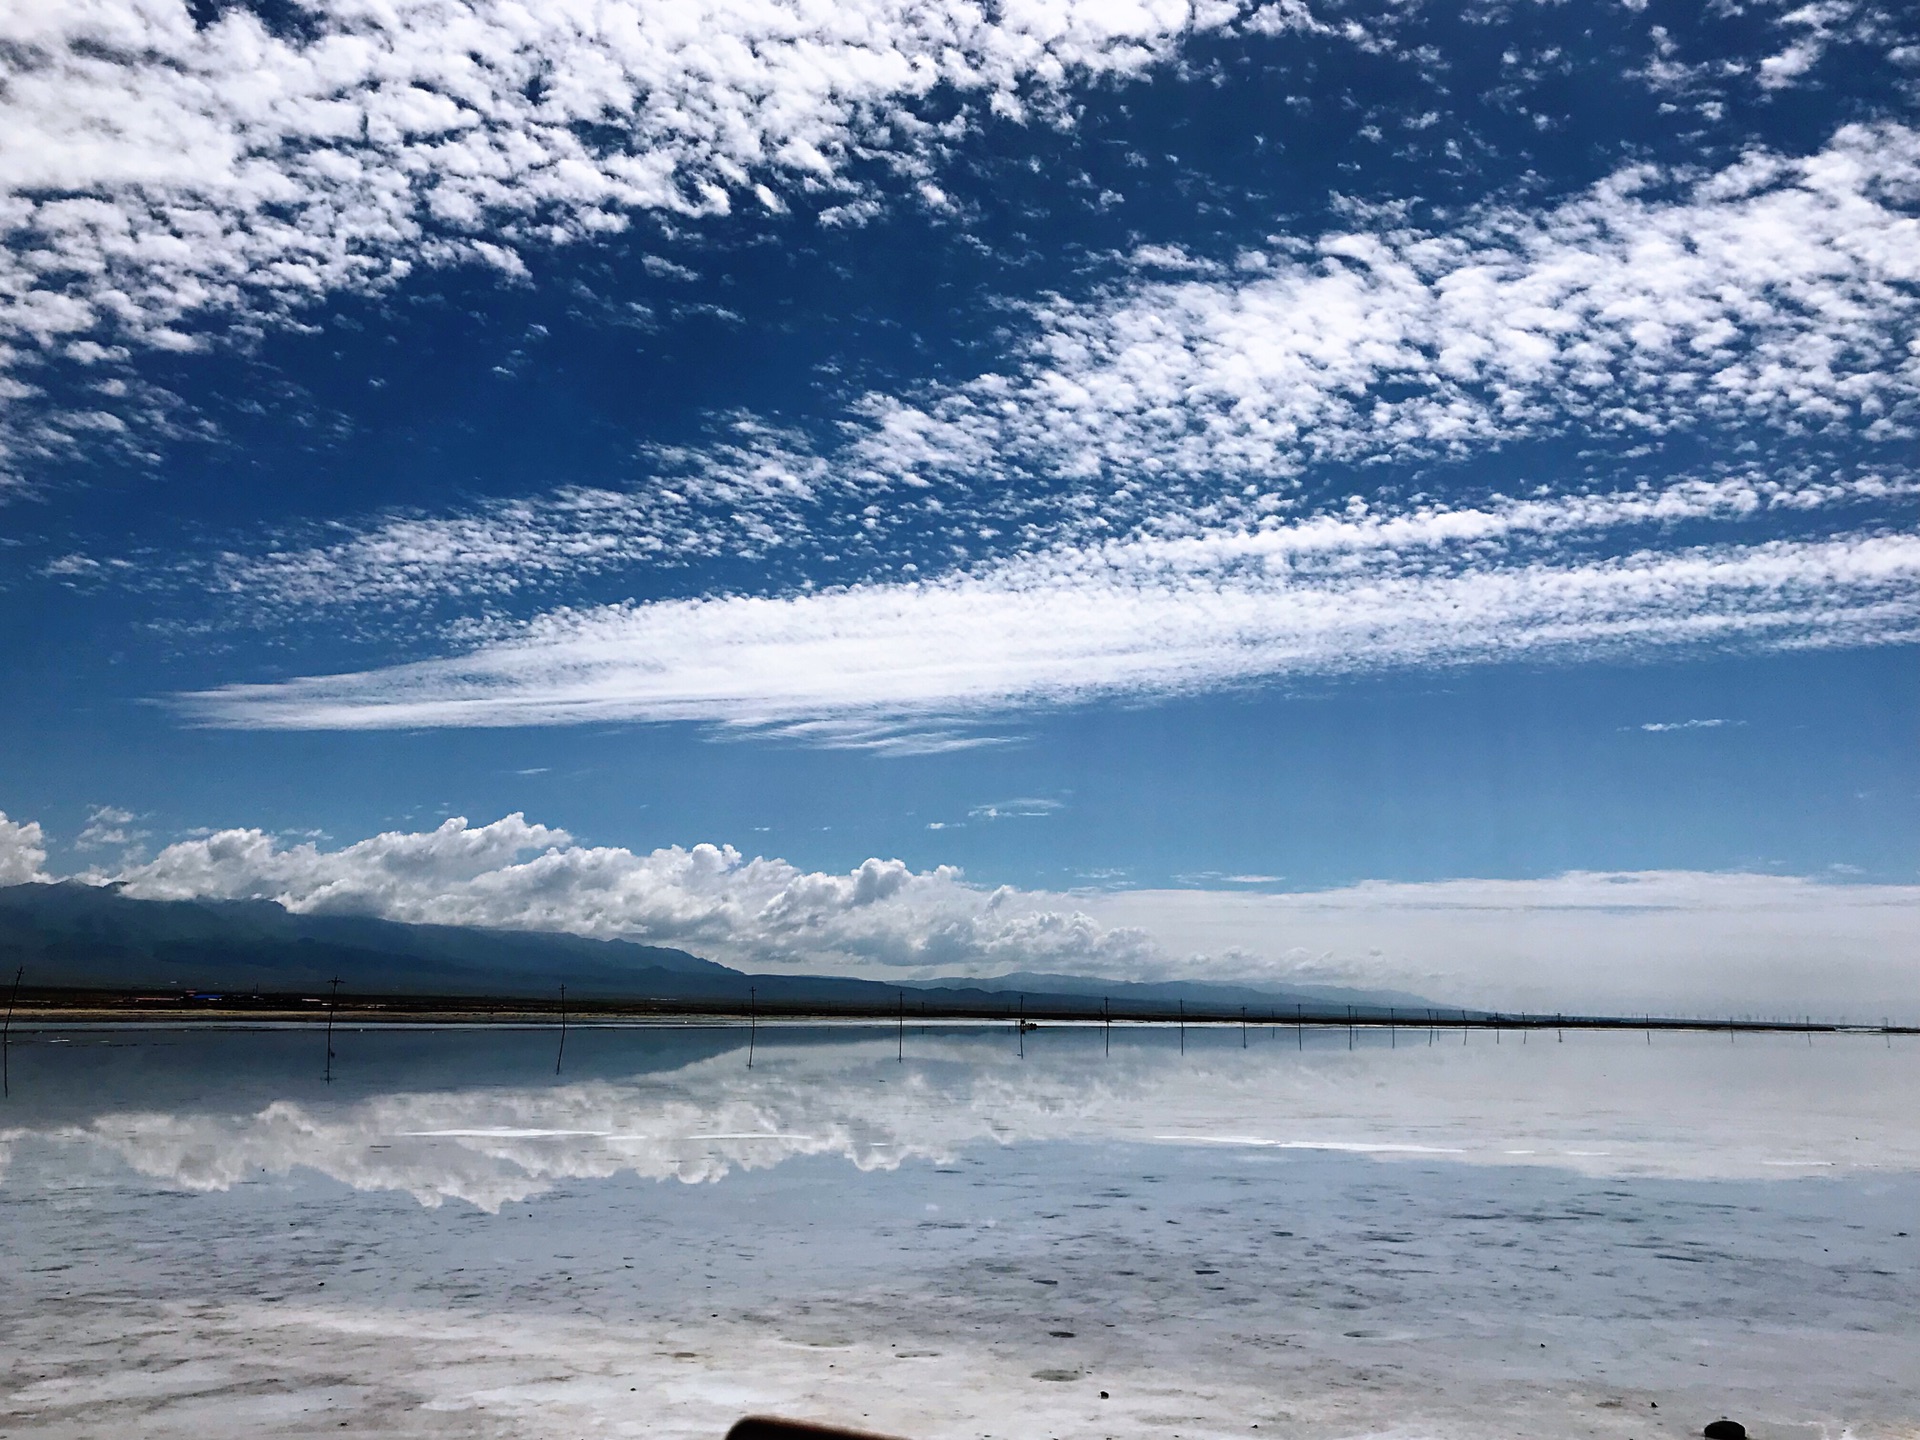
[947,1238]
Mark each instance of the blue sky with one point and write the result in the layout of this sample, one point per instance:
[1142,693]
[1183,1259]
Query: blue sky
[1038,458]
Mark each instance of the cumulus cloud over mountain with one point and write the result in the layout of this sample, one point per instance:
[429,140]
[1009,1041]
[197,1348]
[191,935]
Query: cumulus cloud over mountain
[23,851]
[758,911]
[1652,940]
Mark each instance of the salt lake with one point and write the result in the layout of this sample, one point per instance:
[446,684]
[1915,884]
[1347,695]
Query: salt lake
[958,1232]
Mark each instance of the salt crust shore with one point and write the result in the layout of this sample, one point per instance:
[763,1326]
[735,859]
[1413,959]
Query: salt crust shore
[992,1289]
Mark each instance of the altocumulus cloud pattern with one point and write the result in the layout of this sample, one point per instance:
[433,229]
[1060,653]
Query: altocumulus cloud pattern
[1258,429]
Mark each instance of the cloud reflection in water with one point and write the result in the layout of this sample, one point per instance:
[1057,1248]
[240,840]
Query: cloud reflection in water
[1682,1107]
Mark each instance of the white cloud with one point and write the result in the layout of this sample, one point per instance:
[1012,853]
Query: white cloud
[1679,941]
[1134,619]
[760,495]
[1658,941]
[23,851]
[1669,941]
[752,492]
[1663,727]
[108,825]
[753,911]
[1029,808]
[1780,295]
[1817,26]
[160,175]
[1779,290]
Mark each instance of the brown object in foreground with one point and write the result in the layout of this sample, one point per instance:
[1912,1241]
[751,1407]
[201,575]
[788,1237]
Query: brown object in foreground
[772,1427]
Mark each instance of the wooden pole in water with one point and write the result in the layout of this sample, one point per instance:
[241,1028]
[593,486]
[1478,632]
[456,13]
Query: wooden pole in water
[1021,1026]
[1106,1015]
[1349,1027]
[1183,1027]
[1393,1032]
[901,1056]
[6,1039]
[753,1022]
[1299,1027]
[1243,1027]
[333,1004]
[1429,1029]
[561,1055]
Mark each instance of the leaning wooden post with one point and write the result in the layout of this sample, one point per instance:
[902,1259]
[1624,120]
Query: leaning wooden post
[333,1004]
[6,1039]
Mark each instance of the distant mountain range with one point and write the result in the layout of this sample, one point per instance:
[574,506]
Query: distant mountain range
[79,936]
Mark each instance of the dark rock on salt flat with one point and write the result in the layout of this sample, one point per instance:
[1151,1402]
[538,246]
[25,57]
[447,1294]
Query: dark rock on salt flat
[1724,1429]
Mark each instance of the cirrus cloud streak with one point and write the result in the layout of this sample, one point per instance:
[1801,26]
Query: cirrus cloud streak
[1138,620]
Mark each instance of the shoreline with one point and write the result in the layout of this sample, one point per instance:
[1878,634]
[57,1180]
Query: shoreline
[48,1008]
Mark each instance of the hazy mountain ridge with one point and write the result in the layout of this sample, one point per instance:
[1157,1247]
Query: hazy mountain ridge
[1166,992]
[74,935]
